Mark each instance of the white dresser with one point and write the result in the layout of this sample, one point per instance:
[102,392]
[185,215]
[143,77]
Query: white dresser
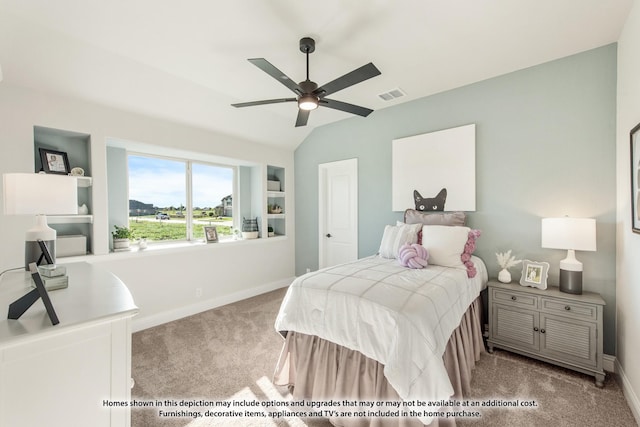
[61,375]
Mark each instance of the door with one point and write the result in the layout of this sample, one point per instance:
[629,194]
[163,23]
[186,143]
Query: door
[338,212]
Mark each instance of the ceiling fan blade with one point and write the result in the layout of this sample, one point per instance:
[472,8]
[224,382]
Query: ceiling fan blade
[356,76]
[266,101]
[303,117]
[343,106]
[268,68]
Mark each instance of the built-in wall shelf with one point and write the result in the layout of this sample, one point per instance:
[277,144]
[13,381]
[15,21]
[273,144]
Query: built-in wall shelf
[276,196]
[76,146]
[69,219]
[84,181]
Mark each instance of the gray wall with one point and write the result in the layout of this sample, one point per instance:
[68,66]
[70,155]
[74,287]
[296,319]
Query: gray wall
[545,146]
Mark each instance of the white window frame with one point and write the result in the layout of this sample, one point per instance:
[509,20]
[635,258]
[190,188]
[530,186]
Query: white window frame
[189,190]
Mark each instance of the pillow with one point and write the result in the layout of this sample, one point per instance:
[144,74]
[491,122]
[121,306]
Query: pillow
[412,216]
[413,255]
[396,236]
[450,246]
[469,247]
[445,244]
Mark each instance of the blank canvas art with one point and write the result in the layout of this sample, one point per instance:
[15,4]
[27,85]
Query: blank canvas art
[433,161]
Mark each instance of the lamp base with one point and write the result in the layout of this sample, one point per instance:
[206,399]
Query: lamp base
[571,282]
[32,252]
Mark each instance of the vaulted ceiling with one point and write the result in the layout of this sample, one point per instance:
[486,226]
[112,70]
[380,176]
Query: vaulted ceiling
[186,61]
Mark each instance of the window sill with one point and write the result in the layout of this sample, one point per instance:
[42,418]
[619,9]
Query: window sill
[164,247]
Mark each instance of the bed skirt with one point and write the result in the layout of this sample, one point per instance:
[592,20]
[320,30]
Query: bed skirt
[317,369]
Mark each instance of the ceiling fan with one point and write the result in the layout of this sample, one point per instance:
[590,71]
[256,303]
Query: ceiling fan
[309,95]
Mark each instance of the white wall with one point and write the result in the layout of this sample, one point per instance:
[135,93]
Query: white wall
[163,283]
[628,243]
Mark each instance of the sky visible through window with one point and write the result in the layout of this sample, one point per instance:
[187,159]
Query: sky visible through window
[161,182]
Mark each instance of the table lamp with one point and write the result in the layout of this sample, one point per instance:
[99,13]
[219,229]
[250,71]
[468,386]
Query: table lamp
[572,234]
[39,194]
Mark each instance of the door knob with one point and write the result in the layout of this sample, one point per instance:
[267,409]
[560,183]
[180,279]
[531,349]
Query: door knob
[328,235]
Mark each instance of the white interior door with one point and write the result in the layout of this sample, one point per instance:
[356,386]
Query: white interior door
[338,216]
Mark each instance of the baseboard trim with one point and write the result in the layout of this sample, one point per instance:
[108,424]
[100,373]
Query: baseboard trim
[609,363]
[142,323]
[629,393]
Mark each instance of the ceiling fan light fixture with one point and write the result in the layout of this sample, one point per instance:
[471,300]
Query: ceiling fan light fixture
[308,102]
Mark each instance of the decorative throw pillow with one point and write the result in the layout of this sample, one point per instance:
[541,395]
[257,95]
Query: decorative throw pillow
[396,236]
[412,216]
[445,244]
[469,247]
[413,255]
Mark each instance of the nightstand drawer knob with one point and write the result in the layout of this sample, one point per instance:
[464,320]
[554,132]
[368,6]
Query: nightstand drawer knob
[514,297]
[566,307]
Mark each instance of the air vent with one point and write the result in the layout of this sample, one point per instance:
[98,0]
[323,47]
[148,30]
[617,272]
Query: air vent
[392,94]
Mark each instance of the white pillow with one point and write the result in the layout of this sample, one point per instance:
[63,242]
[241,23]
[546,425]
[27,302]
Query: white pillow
[445,244]
[396,236]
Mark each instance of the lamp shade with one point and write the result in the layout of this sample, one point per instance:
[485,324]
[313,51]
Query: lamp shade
[39,194]
[577,234]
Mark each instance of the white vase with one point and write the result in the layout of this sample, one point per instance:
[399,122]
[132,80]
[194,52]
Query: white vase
[504,276]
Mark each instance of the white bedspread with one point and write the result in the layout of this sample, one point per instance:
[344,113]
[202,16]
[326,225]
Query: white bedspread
[398,316]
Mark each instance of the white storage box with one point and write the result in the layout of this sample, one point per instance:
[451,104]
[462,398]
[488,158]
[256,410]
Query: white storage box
[273,185]
[72,245]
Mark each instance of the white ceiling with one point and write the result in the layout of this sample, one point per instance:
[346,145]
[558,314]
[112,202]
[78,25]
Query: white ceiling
[186,61]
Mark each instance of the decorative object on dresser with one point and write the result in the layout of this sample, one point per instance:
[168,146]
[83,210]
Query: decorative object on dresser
[39,194]
[534,274]
[573,234]
[22,304]
[548,325]
[506,261]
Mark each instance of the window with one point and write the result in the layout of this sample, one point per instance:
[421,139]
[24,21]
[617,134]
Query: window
[173,199]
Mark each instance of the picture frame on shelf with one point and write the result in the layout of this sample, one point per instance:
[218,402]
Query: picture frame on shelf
[534,274]
[54,161]
[635,178]
[210,234]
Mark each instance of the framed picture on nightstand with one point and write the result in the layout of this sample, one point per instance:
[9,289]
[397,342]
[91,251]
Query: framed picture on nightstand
[534,274]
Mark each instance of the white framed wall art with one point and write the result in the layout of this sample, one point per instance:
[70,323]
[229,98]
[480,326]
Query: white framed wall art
[435,171]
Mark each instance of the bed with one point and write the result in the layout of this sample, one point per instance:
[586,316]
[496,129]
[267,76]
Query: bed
[375,330]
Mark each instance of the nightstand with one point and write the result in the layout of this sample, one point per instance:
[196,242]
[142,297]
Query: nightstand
[548,325]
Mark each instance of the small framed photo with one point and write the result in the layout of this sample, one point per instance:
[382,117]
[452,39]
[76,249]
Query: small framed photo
[635,179]
[54,161]
[210,234]
[534,274]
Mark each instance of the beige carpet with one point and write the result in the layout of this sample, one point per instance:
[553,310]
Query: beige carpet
[228,355]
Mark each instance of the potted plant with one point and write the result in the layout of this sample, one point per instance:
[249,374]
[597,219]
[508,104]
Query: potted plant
[270,231]
[121,236]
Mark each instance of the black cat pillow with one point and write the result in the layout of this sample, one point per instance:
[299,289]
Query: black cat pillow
[430,204]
